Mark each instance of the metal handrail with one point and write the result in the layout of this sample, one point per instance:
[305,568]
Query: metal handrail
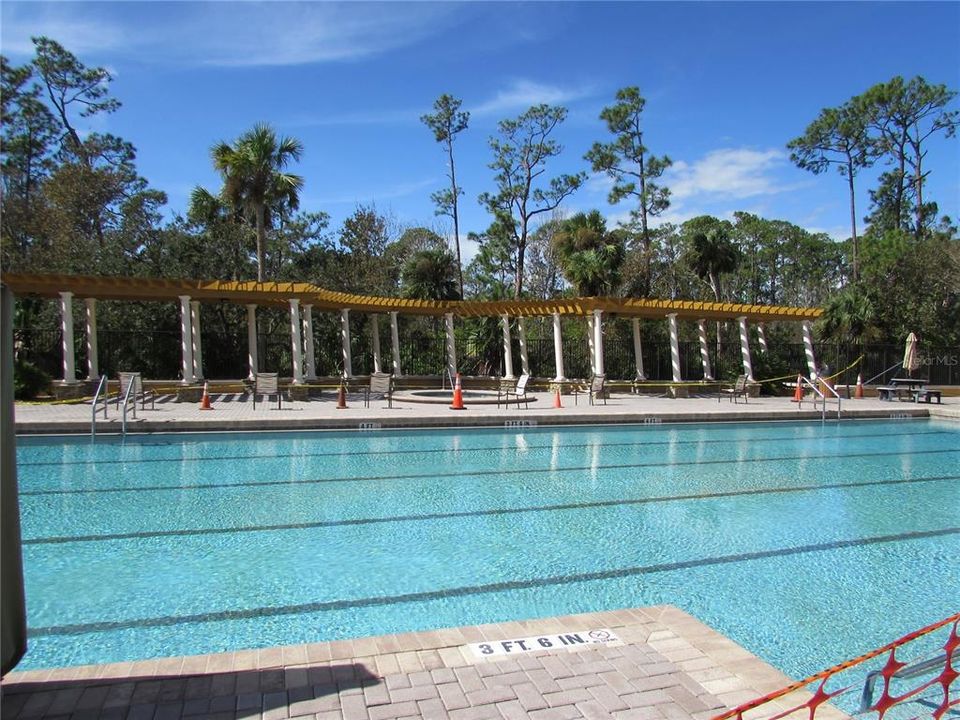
[833,391]
[131,388]
[889,369]
[923,667]
[812,385]
[443,379]
[101,388]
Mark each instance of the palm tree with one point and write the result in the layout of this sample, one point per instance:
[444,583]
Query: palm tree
[253,177]
[590,257]
[430,275]
[713,255]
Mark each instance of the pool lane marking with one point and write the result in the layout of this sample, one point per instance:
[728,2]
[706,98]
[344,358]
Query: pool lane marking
[477,513]
[468,590]
[475,473]
[400,451]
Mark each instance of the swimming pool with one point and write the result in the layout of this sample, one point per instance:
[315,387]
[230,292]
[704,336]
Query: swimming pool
[807,543]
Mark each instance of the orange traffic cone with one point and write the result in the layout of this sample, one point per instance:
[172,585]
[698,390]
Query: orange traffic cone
[342,398]
[556,400]
[457,396]
[858,393]
[205,400]
[798,393]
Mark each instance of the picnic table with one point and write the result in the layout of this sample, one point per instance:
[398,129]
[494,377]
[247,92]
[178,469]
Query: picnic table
[907,389]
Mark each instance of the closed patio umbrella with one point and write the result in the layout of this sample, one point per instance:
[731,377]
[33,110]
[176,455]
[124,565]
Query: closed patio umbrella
[911,361]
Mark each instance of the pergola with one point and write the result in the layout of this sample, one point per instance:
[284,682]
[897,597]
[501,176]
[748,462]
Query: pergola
[303,298]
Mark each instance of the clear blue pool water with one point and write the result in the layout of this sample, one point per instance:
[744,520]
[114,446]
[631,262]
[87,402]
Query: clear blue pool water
[807,543]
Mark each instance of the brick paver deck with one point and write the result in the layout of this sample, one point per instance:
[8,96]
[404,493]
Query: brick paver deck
[669,665]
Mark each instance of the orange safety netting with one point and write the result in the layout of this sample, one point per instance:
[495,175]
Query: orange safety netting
[887,699]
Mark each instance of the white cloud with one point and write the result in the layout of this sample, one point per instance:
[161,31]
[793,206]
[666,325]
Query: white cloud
[58,21]
[250,34]
[522,94]
[730,173]
[234,34]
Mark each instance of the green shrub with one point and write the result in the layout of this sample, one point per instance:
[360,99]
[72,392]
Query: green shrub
[28,380]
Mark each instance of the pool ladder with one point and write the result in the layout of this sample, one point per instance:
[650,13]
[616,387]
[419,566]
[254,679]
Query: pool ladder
[818,393]
[101,390]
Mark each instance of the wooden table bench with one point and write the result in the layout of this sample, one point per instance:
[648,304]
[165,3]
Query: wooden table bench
[926,395]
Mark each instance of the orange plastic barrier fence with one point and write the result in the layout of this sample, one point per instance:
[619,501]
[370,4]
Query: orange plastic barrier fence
[887,700]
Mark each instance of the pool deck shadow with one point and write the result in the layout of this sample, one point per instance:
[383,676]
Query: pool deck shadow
[666,665]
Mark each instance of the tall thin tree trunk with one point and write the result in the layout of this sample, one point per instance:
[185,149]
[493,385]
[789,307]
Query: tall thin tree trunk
[261,241]
[456,219]
[918,180]
[645,233]
[853,220]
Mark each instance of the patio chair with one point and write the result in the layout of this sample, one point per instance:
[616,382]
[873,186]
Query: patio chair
[137,392]
[517,390]
[266,384]
[381,384]
[594,391]
[739,389]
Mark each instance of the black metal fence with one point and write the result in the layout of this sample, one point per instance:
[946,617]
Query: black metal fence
[156,354]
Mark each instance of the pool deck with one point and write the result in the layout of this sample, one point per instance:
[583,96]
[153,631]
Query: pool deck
[235,412]
[666,665]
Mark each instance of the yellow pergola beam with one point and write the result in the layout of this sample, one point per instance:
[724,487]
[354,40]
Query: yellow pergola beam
[280,293]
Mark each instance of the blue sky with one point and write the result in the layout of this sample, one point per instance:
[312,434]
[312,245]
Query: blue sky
[727,86]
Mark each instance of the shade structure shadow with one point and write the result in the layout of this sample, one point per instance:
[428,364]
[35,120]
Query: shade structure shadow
[302,690]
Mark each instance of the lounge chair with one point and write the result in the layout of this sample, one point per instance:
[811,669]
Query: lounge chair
[266,384]
[739,389]
[137,392]
[508,389]
[380,384]
[594,391]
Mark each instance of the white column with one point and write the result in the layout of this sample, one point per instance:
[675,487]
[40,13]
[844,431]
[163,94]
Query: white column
[375,332]
[675,347]
[93,367]
[808,347]
[395,343]
[252,359]
[745,348]
[195,339]
[186,341]
[762,338]
[66,324]
[704,349]
[558,348]
[638,350]
[524,356]
[451,345]
[310,355]
[345,342]
[507,347]
[590,345]
[598,342]
[296,341]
